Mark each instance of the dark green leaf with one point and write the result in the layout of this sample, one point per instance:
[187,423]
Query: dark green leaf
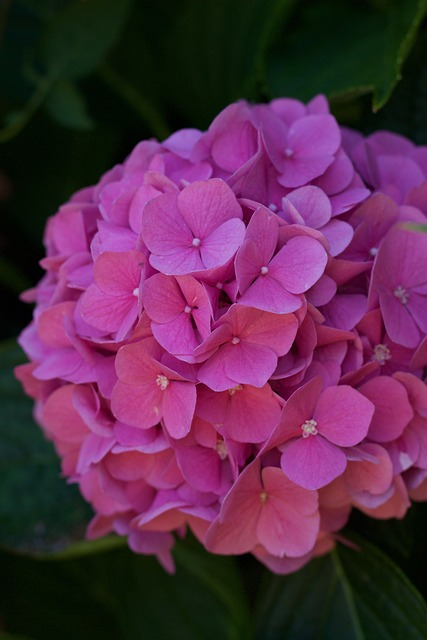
[406,112]
[122,595]
[395,537]
[345,48]
[350,594]
[196,57]
[66,104]
[39,511]
[79,37]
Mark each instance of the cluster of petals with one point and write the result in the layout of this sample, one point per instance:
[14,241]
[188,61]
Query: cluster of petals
[230,336]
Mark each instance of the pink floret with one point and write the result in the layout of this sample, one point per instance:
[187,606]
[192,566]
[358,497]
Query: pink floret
[231,335]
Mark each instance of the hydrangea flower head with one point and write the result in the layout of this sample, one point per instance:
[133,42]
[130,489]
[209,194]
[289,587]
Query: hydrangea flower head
[230,335]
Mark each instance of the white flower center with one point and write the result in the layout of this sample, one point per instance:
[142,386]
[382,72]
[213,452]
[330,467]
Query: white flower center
[381,354]
[264,271]
[135,292]
[401,294]
[221,449]
[373,251]
[196,242]
[272,207]
[162,382]
[235,340]
[233,390]
[187,309]
[289,152]
[309,428]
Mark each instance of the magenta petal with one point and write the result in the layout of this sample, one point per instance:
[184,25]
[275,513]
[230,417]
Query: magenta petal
[221,245]
[250,363]
[118,273]
[249,261]
[163,230]
[263,228]
[177,337]
[200,466]
[312,462]
[106,312]
[205,205]
[163,299]
[312,204]
[393,411]
[314,136]
[399,324]
[343,415]
[184,261]
[268,294]
[213,373]
[338,234]
[253,414]
[299,264]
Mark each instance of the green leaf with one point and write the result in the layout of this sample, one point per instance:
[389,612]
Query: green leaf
[350,594]
[80,36]
[194,58]
[345,48]
[218,575]
[39,511]
[66,105]
[122,595]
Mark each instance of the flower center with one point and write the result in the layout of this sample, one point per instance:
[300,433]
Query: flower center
[264,271]
[373,251]
[135,292]
[196,242]
[381,354]
[272,207]
[235,340]
[309,428]
[162,382]
[401,294]
[289,152]
[187,309]
[221,449]
[233,390]
[263,496]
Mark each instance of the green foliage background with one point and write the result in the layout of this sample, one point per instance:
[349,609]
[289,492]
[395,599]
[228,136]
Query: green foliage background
[82,81]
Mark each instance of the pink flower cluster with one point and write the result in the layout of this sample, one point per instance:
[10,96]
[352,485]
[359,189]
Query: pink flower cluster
[231,334]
